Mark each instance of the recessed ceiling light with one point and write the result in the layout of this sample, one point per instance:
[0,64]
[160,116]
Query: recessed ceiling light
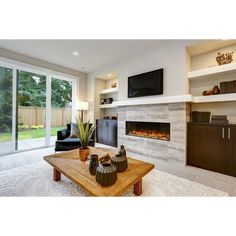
[109,75]
[75,53]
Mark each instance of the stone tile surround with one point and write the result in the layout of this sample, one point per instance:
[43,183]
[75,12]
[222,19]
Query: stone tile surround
[174,113]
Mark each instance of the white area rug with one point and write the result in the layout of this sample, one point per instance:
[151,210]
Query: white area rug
[36,180]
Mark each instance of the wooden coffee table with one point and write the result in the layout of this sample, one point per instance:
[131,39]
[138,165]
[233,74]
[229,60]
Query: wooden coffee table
[68,164]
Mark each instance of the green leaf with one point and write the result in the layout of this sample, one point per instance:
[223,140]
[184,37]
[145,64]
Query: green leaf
[84,132]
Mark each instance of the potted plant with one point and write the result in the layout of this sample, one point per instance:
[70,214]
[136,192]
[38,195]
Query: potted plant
[84,133]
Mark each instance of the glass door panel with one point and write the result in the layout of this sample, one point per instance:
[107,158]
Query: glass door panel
[6,88]
[61,106]
[31,110]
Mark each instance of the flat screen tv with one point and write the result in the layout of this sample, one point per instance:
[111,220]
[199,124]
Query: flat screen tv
[146,84]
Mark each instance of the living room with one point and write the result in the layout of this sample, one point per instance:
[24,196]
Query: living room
[155,125]
[148,121]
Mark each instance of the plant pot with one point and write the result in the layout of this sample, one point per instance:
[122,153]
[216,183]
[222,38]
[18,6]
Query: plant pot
[83,154]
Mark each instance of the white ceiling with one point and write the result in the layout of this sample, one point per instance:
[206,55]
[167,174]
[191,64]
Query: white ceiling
[94,54]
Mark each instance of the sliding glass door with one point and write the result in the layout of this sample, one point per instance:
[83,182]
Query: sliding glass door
[61,106]
[6,114]
[31,110]
[33,107]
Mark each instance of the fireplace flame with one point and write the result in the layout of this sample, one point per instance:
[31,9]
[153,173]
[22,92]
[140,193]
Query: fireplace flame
[150,134]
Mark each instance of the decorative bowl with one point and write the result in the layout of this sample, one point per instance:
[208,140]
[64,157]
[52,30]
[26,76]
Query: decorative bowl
[106,174]
[120,162]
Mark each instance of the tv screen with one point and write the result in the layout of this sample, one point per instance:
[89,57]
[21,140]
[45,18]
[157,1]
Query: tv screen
[146,84]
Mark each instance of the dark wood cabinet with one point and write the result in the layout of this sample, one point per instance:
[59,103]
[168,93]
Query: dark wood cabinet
[231,151]
[212,147]
[100,131]
[107,132]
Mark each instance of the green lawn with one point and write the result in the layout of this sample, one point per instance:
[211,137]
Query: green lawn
[29,134]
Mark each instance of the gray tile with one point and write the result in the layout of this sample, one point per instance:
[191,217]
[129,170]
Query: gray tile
[158,149]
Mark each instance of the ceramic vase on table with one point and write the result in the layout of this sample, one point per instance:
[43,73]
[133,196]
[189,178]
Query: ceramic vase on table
[120,162]
[106,174]
[93,164]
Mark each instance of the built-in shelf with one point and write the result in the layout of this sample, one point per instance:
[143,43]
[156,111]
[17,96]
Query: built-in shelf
[108,105]
[159,100]
[215,98]
[174,99]
[212,71]
[109,90]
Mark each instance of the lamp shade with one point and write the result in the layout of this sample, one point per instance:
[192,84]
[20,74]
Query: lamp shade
[82,105]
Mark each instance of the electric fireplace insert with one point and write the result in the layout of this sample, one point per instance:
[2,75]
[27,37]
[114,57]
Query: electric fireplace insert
[154,130]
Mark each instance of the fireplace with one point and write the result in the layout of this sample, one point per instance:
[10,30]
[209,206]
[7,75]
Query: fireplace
[154,130]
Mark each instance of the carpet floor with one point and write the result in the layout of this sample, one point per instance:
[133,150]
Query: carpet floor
[36,180]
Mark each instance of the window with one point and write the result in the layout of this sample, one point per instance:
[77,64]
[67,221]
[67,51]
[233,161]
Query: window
[34,105]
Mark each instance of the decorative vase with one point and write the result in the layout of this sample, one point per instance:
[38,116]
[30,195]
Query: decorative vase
[106,174]
[120,162]
[83,154]
[215,90]
[122,151]
[93,164]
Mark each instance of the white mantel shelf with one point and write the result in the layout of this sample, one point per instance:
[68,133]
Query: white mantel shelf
[160,100]
[188,98]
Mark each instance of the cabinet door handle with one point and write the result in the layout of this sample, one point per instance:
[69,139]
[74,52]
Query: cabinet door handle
[228,133]
[223,132]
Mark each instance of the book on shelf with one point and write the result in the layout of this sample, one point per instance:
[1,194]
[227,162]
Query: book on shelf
[219,122]
[231,86]
[228,87]
[219,119]
[222,87]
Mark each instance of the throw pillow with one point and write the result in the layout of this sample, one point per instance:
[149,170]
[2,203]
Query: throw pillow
[73,130]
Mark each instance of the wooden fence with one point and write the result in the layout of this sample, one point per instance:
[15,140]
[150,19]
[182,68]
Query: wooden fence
[36,116]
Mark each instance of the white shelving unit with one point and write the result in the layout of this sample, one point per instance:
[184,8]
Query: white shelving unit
[212,71]
[175,99]
[215,98]
[109,90]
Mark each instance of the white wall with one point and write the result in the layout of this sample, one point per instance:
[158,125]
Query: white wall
[98,86]
[90,98]
[208,59]
[110,81]
[169,54]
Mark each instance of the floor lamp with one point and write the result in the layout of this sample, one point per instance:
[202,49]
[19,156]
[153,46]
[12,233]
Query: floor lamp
[82,106]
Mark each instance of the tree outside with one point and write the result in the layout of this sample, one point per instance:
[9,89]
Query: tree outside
[61,93]
[5,99]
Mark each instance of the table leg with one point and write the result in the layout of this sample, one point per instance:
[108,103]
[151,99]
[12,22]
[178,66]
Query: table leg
[138,188]
[56,175]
